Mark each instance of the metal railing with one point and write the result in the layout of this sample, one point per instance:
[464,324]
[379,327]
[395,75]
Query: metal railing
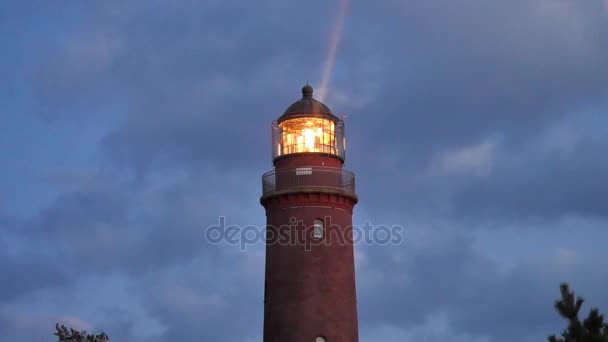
[308,177]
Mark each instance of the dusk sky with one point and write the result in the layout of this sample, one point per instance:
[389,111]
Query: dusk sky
[129,127]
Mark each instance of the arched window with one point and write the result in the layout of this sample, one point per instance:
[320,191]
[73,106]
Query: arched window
[318,229]
[320,339]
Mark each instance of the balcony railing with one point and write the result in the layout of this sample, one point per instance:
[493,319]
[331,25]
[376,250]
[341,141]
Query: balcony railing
[312,177]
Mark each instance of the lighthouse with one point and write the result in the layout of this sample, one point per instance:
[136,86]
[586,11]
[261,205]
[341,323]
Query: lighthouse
[309,290]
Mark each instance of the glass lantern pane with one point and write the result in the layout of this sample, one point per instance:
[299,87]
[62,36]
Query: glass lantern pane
[307,135]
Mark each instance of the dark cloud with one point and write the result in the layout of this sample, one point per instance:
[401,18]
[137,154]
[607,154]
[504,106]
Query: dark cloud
[446,274]
[211,300]
[134,226]
[194,85]
[479,113]
[549,186]
[27,273]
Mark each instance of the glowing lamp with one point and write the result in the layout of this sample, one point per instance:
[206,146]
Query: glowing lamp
[308,126]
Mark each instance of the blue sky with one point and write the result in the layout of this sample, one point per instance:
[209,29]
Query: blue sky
[130,127]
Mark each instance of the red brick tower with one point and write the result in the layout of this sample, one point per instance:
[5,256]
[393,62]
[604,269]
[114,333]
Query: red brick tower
[309,293]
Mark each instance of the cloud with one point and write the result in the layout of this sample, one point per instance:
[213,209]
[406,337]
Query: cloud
[475,160]
[447,284]
[435,328]
[481,114]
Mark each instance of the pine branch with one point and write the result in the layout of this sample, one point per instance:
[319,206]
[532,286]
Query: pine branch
[72,335]
[592,329]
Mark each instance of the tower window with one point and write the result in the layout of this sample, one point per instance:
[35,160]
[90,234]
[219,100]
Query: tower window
[318,229]
[320,339]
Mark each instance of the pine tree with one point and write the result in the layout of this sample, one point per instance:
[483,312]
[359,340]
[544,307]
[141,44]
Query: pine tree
[592,329]
[70,335]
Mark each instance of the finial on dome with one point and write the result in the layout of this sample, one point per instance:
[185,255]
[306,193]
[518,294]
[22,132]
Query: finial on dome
[307,90]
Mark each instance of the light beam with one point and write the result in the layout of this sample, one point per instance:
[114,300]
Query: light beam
[334,42]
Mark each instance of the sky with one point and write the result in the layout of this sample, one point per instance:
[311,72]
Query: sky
[129,127]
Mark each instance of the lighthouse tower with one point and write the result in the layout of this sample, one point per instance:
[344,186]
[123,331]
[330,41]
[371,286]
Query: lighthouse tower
[309,292]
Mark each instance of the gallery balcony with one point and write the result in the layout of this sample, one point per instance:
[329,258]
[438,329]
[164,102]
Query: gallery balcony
[309,179]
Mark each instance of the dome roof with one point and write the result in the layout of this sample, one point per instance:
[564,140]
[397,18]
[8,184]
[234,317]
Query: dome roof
[307,106]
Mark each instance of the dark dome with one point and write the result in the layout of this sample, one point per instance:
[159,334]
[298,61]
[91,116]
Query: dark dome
[307,106]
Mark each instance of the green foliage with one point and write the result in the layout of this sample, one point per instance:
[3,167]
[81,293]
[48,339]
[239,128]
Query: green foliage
[592,329]
[72,335]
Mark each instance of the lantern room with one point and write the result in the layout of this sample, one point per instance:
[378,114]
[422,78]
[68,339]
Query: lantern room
[308,126]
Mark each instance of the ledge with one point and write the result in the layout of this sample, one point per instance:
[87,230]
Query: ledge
[310,190]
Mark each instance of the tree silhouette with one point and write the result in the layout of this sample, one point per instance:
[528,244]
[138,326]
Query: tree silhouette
[592,329]
[70,335]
